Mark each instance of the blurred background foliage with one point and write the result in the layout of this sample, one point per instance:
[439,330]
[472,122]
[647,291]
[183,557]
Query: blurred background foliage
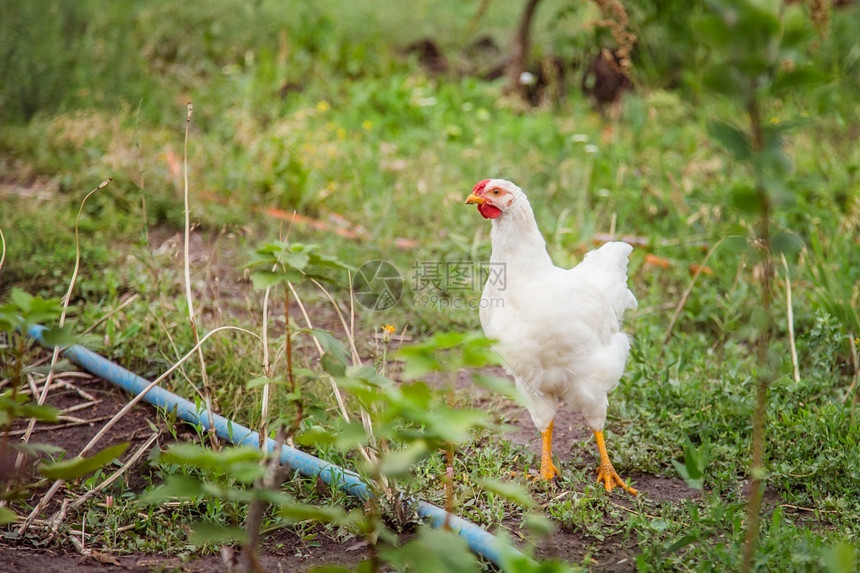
[63,55]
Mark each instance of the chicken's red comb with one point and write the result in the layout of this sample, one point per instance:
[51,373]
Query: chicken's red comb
[479,186]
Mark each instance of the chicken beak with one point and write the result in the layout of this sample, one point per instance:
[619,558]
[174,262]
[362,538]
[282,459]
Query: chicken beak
[473,199]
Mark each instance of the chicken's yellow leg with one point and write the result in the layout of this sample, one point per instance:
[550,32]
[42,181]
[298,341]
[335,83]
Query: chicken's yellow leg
[605,472]
[547,469]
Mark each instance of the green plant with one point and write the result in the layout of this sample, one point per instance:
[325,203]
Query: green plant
[758,56]
[18,316]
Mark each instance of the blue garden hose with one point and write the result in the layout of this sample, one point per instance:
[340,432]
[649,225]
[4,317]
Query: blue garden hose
[480,541]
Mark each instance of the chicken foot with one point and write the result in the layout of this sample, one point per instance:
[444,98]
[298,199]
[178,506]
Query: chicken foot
[548,470]
[606,472]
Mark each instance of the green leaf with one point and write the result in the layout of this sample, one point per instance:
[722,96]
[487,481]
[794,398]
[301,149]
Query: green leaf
[77,466]
[737,243]
[447,352]
[7,516]
[242,463]
[204,457]
[413,396]
[206,532]
[728,81]
[695,462]
[433,550]
[246,472]
[304,512]
[174,487]
[351,435]
[540,524]
[294,262]
[59,336]
[368,376]
[418,365]
[787,243]
[333,364]
[732,138]
[772,160]
[297,259]
[760,19]
[24,309]
[31,449]
[23,300]
[265,279]
[682,542]
[799,77]
[331,344]
[11,409]
[510,491]
[502,386]
[268,279]
[712,30]
[43,413]
[454,425]
[796,28]
[321,260]
[316,436]
[746,199]
[399,462]
[841,558]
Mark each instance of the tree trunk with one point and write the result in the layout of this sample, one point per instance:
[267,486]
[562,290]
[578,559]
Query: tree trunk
[520,49]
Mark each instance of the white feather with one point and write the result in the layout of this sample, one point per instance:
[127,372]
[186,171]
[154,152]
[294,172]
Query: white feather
[558,330]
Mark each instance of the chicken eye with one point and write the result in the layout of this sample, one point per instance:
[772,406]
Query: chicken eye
[495,192]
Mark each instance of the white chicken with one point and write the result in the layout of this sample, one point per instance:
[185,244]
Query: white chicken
[558,331]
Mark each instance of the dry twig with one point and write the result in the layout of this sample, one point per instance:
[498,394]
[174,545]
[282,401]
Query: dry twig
[2,248]
[54,427]
[66,300]
[207,391]
[116,417]
[790,316]
[366,453]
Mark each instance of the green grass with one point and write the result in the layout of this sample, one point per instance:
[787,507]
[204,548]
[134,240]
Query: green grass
[373,138]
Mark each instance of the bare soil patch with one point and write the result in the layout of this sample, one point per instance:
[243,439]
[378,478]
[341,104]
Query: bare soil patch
[90,402]
[569,431]
[59,559]
[615,555]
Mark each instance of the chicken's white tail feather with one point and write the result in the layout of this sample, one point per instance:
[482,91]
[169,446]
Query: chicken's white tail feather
[607,268]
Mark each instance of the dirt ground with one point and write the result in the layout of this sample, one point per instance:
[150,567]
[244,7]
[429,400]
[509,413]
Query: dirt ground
[88,402]
[60,560]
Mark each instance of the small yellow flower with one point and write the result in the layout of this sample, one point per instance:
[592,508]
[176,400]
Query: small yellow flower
[387,331]
[367,125]
[323,106]
[341,133]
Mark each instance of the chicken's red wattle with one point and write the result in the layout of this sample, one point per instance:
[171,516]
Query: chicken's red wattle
[489,211]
